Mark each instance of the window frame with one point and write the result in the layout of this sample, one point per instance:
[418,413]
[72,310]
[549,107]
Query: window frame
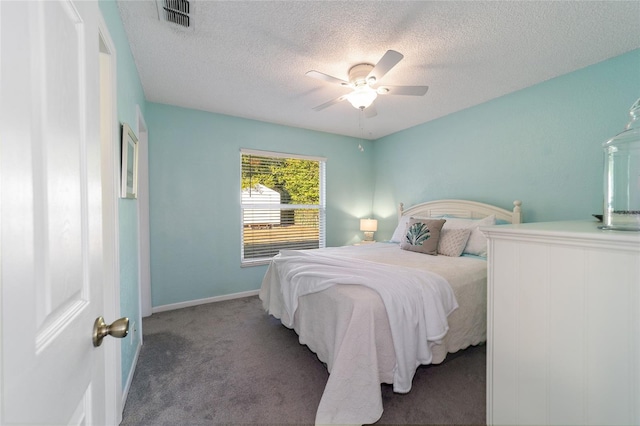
[321,206]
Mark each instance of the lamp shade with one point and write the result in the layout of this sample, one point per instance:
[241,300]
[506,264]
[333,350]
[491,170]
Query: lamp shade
[368,225]
[362,96]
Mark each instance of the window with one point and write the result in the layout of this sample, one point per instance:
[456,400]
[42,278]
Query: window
[283,204]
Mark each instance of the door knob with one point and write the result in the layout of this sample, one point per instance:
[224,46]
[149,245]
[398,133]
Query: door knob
[119,328]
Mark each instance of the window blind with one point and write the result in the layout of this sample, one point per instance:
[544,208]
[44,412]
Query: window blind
[283,204]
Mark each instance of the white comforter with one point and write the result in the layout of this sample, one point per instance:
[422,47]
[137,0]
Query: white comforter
[349,339]
[417,302]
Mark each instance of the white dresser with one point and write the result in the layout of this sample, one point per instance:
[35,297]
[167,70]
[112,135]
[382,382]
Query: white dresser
[563,341]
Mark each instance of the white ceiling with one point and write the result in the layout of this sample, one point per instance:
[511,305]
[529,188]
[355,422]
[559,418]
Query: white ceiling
[249,58]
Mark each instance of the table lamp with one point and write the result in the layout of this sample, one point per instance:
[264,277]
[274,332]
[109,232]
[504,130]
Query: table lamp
[368,226]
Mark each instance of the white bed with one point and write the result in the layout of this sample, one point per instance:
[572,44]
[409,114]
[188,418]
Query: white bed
[348,327]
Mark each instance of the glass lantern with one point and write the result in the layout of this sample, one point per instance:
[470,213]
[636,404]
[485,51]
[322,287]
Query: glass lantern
[622,177]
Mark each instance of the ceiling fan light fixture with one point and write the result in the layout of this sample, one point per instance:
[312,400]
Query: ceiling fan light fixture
[362,96]
[362,78]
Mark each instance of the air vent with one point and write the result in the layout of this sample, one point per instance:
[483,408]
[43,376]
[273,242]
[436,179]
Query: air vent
[174,11]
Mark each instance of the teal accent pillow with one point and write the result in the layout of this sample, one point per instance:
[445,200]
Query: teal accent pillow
[422,236]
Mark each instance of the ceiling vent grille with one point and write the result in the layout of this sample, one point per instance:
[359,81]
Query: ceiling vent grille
[175,11]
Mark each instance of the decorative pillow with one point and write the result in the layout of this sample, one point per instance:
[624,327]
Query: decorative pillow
[453,241]
[477,242]
[401,229]
[422,236]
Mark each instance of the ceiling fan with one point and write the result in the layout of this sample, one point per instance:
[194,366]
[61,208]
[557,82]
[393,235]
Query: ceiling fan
[363,79]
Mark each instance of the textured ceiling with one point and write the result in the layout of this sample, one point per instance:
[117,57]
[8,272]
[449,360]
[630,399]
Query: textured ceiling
[249,58]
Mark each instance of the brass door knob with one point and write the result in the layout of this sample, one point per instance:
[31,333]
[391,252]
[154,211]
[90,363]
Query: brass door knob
[119,328]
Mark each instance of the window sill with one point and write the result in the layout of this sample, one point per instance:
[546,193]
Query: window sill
[257,262]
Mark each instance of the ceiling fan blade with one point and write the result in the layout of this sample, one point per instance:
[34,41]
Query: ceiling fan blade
[370,111]
[325,77]
[331,102]
[388,61]
[403,90]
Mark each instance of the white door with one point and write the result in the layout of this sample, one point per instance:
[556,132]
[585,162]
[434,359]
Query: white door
[51,218]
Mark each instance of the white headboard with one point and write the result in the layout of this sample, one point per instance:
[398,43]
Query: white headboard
[462,208]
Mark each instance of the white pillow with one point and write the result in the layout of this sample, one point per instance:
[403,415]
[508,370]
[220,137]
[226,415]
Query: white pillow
[453,241]
[401,230]
[477,243]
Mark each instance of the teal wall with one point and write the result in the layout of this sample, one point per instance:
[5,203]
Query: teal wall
[130,95]
[194,170]
[541,145]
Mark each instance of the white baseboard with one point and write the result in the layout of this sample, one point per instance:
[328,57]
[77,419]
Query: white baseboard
[127,386]
[189,303]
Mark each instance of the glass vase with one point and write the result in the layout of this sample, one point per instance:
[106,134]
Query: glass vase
[622,177]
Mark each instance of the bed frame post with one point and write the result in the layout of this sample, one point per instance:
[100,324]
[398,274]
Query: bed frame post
[517,212]
[400,211]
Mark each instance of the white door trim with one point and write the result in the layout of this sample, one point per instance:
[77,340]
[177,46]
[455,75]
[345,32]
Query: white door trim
[144,246]
[1,201]
[110,159]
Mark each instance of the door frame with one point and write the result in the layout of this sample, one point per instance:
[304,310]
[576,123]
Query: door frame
[144,234]
[1,201]
[110,159]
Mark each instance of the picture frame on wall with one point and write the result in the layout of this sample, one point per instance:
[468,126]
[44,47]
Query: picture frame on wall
[129,163]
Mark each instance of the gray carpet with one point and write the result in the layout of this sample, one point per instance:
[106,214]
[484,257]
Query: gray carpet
[231,363]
